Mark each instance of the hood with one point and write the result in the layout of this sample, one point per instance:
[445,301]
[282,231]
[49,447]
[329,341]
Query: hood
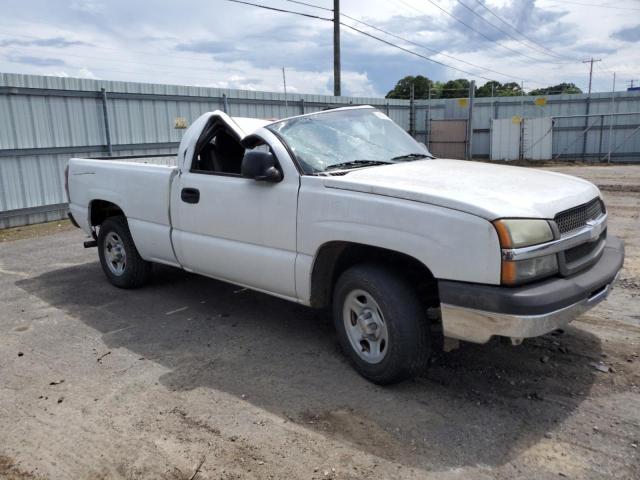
[487,190]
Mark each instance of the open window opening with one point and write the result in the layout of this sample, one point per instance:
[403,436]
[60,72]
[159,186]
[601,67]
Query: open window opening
[218,150]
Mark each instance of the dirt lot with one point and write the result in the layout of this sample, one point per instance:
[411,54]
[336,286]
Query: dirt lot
[192,378]
[29,231]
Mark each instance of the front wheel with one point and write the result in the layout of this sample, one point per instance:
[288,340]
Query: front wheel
[381,324]
[119,257]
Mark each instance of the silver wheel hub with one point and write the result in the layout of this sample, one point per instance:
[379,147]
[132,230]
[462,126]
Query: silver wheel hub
[115,254]
[365,326]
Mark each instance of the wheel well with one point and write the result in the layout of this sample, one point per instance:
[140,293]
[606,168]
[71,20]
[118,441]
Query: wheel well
[101,210]
[334,258]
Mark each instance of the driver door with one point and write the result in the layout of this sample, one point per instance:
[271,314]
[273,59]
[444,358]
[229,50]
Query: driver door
[238,229]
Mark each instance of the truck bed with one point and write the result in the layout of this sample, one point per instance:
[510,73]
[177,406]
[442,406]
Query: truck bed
[140,186]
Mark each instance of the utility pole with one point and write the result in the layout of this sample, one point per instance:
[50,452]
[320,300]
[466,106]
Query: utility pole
[412,111]
[336,48]
[611,118]
[590,62]
[427,118]
[472,96]
[286,102]
[587,106]
[521,147]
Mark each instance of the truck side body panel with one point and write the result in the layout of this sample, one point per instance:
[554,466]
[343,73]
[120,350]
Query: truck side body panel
[140,190]
[240,230]
[454,245]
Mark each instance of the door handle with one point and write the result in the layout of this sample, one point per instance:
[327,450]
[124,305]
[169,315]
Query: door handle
[190,195]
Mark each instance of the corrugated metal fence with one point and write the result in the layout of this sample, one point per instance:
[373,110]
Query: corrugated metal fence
[46,120]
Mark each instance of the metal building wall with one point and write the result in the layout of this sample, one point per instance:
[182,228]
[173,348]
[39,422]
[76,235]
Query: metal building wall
[570,125]
[46,120]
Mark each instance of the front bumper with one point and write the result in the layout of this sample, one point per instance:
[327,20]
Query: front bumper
[475,313]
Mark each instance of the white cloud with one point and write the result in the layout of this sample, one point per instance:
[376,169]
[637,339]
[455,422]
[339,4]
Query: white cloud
[357,84]
[88,6]
[86,73]
[244,47]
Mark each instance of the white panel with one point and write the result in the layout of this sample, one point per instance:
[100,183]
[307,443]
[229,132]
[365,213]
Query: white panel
[505,139]
[256,266]
[429,233]
[153,241]
[537,138]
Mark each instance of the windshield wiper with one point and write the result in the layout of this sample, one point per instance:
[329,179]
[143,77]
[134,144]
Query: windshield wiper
[411,156]
[356,164]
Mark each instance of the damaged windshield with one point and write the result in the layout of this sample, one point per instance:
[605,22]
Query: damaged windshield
[347,139]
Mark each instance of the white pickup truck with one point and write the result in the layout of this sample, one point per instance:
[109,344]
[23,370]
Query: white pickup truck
[342,208]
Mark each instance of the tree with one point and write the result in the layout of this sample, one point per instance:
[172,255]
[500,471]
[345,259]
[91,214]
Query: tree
[510,89]
[488,89]
[559,89]
[458,88]
[402,89]
[451,89]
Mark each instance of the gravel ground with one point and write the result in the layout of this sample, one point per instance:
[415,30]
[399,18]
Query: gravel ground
[190,378]
[39,230]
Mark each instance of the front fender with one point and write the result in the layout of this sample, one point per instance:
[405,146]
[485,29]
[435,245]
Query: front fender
[453,245]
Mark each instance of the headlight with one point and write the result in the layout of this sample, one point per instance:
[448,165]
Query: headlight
[517,233]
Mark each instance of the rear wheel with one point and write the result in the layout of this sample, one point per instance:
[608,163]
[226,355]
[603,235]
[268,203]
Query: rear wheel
[381,324]
[119,257]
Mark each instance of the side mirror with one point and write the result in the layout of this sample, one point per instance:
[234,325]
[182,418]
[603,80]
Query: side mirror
[260,166]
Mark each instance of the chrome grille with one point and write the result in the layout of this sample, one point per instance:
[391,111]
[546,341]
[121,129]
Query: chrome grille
[577,217]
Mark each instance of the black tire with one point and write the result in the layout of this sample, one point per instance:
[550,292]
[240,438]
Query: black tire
[135,271]
[407,328]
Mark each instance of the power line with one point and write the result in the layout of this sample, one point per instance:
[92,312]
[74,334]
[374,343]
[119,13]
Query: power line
[499,29]
[437,52]
[366,34]
[326,19]
[552,54]
[310,5]
[362,32]
[408,5]
[483,35]
[406,50]
[482,4]
[201,68]
[282,10]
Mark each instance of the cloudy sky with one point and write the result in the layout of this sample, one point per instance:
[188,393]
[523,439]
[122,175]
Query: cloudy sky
[223,44]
